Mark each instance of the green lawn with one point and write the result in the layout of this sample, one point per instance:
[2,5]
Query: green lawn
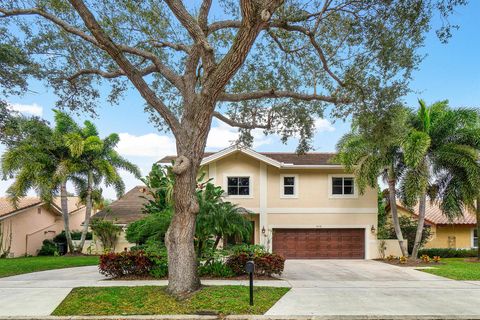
[457,269]
[11,267]
[154,300]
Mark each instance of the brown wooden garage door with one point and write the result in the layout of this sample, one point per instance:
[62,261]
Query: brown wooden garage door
[319,243]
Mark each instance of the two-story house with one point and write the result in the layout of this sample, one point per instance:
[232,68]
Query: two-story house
[303,206]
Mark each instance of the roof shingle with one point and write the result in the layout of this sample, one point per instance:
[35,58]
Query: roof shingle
[434,214]
[310,158]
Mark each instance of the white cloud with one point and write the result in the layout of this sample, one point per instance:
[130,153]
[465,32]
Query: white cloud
[223,136]
[33,109]
[323,125]
[148,145]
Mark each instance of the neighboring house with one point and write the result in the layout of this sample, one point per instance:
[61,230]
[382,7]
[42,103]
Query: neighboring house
[459,233]
[24,228]
[122,212]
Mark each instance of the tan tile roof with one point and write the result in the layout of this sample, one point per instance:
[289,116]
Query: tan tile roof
[127,209]
[6,206]
[434,215]
[310,158]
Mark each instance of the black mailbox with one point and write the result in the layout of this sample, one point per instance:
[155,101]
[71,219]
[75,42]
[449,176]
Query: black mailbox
[250,267]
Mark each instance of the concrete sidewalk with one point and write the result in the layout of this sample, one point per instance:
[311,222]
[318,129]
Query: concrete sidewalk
[39,293]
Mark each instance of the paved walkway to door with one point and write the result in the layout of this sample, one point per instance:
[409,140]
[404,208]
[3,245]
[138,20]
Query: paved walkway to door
[366,287]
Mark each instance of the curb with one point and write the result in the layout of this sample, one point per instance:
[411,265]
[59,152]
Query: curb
[249,317]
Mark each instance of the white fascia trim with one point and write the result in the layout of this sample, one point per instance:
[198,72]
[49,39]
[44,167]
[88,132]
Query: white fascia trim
[305,166]
[225,152]
[319,226]
[323,210]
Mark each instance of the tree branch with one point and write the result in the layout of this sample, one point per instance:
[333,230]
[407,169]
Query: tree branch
[109,75]
[273,94]
[203,14]
[168,73]
[238,124]
[131,72]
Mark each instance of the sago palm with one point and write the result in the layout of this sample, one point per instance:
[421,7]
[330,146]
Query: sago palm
[441,154]
[372,150]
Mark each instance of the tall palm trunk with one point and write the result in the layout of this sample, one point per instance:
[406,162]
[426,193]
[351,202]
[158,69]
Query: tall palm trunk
[66,217]
[392,194]
[421,222]
[478,225]
[88,211]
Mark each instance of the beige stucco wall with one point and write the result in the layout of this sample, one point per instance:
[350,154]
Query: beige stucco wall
[461,234]
[313,207]
[461,237]
[33,225]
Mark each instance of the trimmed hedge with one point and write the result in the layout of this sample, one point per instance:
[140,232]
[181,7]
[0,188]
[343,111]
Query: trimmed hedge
[266,264]
[448,252]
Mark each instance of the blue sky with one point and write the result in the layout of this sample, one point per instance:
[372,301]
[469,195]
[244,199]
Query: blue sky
[449,71]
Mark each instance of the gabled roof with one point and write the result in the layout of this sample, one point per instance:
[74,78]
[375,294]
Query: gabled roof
[282,160]
[127,209]
[7,209]
[434,215]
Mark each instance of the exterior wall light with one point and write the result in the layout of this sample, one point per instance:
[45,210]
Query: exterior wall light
[372,229]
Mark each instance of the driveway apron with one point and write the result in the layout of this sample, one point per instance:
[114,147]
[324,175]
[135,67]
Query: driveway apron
[372,288]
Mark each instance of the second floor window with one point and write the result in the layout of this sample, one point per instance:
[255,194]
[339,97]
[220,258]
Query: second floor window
[342,186]
[238,186]
[289,186]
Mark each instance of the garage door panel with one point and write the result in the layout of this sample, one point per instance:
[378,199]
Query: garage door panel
[319,243]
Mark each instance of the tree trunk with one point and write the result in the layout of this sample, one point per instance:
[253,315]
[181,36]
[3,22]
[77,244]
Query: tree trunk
[88,211]
[217,241]
[478,225]
[179,239]
[66,217]
[421,222]
[392,194]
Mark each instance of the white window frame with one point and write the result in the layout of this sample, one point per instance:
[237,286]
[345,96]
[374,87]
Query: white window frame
[238,175]
[342,196]
[473,238]
[295,186]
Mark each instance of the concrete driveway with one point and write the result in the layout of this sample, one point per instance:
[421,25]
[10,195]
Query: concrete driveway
[366,287]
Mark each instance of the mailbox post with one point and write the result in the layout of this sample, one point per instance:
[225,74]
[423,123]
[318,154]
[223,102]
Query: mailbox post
[250,268]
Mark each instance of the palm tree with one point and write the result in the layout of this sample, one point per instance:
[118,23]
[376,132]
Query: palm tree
[99,162]
[441,153]
[372,150]
[41,160]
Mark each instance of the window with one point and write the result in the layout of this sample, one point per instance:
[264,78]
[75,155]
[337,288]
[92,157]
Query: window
[289,186]
[475,238]
[343,186]
[238,186]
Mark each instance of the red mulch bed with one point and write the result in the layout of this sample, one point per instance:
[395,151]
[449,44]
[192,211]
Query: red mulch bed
[411,263]
[474,260]
[242,277]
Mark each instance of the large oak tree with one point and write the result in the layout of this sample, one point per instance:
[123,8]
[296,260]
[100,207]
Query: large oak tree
[269,64]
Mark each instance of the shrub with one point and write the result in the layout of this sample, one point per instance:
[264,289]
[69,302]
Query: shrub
[436,259]
[106,231]
[133,263]
[153,227]
[449,252]
[250,249]
[49,248]
[409,230]
[403,260]
[425,258]
[215,269]
[266,264]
